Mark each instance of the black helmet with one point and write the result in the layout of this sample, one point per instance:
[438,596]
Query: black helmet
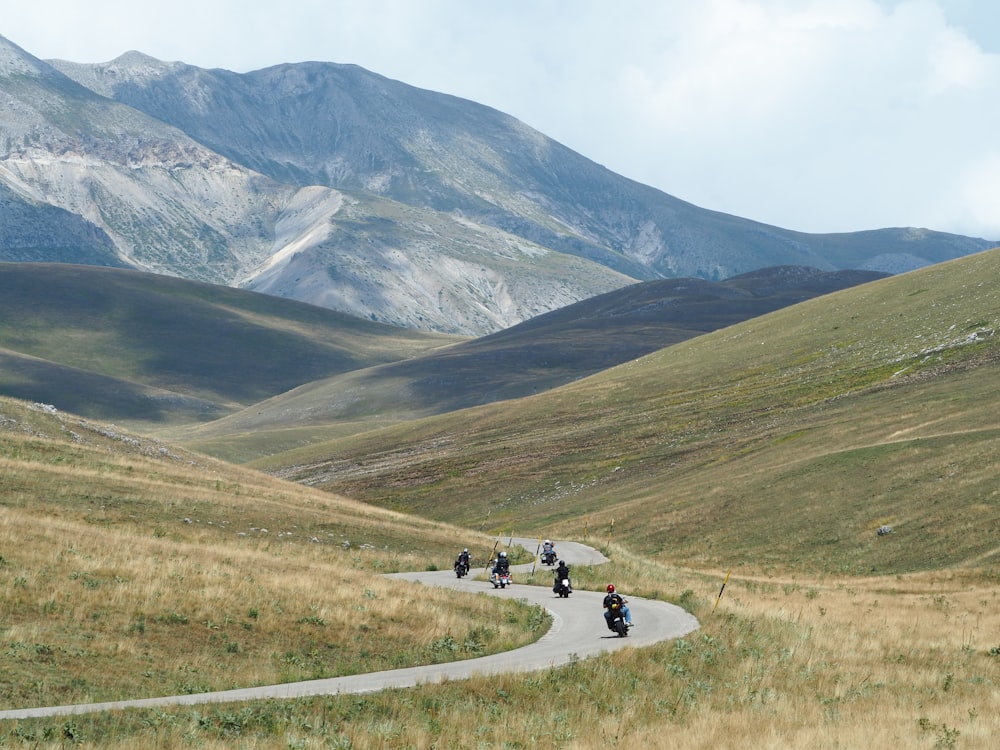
[562,562]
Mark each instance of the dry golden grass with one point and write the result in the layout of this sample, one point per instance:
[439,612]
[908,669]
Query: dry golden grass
[125,572]
[720,450]
[862,663]
[111,616]
[782,662]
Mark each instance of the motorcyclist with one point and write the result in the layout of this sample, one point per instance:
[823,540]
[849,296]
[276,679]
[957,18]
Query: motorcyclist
[463,560]
[503,564]
[612,597]
[548,549]
[560,573]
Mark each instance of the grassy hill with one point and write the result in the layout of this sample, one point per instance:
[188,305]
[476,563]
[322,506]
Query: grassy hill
[143,349]
[782,441]
[773,449]
[175,357]
[129,567]
[545,352]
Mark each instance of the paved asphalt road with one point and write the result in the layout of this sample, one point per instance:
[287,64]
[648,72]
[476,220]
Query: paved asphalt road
[578,630]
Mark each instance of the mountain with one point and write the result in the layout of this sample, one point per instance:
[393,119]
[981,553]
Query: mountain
[437,151]
[335,186]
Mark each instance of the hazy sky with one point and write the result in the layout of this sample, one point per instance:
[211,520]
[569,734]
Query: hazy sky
[816,115]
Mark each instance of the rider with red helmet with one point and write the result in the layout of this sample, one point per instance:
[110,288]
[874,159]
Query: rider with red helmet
[612,598]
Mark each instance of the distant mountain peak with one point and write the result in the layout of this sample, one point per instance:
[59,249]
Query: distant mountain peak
[135,59]
[135,65]
[14,60]
[456,217]
[130,68]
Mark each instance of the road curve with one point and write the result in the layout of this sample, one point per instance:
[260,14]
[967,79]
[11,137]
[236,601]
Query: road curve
[578,631]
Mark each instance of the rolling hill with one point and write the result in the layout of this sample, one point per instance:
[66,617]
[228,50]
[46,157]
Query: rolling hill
[162,352]
[773,449]
[784,440]
[542,353]
[130,566]
[126,346]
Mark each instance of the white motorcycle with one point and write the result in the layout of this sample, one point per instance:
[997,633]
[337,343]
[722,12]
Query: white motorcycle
[562,588]
[500,580]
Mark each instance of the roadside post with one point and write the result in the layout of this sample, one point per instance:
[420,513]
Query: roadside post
[719,597]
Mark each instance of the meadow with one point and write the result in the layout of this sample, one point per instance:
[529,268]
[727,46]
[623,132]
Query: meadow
[912,661]
[131,570]
[781,443]
[127,569]
[770,452]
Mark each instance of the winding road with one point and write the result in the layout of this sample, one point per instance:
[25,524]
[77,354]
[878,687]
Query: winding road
[578,631]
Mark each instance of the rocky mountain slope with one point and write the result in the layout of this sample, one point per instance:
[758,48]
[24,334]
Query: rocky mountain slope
[330,184]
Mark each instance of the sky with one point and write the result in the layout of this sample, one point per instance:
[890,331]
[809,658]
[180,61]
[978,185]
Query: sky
[812,115]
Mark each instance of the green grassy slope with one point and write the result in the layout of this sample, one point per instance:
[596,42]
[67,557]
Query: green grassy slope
[545,352]
[782,441]
[775,446]
[141,348]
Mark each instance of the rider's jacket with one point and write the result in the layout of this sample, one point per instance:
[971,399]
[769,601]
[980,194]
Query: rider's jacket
[611,599]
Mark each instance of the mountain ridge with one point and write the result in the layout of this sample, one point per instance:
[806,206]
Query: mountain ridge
[158,350]
[427,211]
[423,136]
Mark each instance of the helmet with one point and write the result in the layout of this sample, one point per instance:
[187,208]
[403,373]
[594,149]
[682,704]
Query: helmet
[503,554]
[562,562]
[547,541]
[465,550]
[611,588]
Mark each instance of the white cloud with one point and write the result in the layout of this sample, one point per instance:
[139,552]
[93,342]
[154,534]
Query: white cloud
[974,198]
[812,119]
[956,62]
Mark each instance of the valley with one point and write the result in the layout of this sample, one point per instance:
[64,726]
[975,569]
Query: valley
[766,453]
[274,346]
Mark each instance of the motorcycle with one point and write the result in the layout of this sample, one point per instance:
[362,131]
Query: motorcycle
[618,623]
[461,568]
[549,558]
[500,580]
[562,587]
